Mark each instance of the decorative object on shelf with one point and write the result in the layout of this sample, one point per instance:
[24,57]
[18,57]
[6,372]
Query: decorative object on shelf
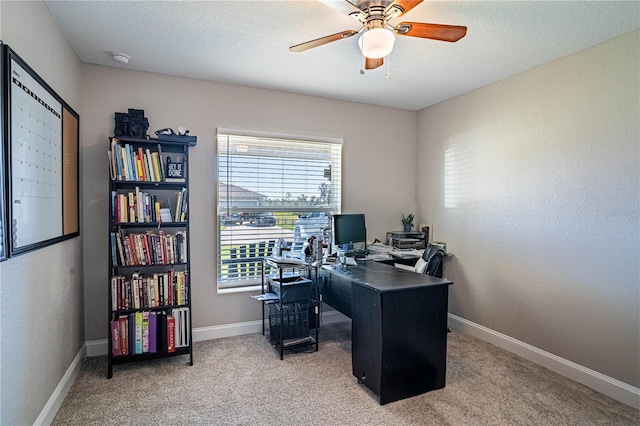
[183,136]
[131,124]
[407,222]
[175,169]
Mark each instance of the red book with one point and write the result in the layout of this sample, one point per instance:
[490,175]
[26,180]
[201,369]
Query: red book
[163,251]
[147,250]
[124,341]
[132,248]
[171,334]
[142,163]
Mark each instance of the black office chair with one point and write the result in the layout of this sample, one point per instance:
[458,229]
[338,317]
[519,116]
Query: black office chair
[433,255]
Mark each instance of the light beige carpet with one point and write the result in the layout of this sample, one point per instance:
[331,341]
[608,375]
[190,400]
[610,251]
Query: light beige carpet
[242,381]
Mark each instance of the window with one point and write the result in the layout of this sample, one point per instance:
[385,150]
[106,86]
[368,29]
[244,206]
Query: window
[271,188]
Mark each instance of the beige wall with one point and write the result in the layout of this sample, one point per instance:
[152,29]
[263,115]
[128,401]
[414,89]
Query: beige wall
[371,151]
[41,292]
[533,184]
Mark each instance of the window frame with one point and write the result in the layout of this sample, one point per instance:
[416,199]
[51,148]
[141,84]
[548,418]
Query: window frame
[250,279]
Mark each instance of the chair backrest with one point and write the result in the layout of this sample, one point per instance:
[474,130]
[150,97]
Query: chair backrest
[433,255]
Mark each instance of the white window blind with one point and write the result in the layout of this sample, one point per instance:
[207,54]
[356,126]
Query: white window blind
[271,188]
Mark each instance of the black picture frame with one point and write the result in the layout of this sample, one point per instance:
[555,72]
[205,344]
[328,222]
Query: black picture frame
[41,160]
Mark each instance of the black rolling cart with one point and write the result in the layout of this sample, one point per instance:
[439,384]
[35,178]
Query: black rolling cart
[290,304]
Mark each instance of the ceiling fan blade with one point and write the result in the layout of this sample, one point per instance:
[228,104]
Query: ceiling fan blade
[322,40]
[371,63]
[440,32]
[403,6]
[342,6]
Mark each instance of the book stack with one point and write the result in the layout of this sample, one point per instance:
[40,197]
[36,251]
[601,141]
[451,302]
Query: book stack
[135,164]
[141,292]
[165,215]
[148,248]
[150,332]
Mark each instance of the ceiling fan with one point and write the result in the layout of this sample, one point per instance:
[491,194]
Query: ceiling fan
[378,35]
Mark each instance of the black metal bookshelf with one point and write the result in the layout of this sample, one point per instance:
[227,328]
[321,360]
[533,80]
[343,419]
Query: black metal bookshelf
[149,258]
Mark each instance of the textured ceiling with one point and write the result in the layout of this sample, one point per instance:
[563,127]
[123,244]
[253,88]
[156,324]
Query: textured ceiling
[246,42]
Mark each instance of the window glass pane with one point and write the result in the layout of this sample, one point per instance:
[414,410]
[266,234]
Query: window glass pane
[271,189]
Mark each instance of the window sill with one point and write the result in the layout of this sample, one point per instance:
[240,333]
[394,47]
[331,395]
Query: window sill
[244,289]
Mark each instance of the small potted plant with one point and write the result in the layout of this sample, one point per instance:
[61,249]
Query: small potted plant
[407,222]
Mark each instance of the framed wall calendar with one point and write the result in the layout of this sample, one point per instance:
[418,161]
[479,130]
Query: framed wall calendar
[41,150]
[3,212]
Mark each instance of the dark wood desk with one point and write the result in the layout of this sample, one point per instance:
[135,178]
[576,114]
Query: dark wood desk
[399,326]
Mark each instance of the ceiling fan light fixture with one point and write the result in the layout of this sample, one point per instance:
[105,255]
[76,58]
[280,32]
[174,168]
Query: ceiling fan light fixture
[376,42]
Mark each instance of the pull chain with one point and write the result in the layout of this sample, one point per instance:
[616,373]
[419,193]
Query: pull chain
[388,75]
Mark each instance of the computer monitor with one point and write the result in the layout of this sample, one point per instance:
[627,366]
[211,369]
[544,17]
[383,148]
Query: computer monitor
[349,230]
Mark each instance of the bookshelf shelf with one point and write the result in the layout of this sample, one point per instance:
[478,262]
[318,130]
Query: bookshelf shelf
[147,185]
[150,225]
[149,270]
[153,265]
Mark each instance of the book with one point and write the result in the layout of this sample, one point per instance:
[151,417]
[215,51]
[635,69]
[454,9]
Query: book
[131,321]
[142,165]
[114,254]
[153,332]
[123,321]
[121,251]
[114,293]
[161,337]
[165,288]
[183,213]
[160,285]
[132,161]
[178,210]
[160,164]
[111,164]
[152,295]
[113,167]
[178,327]
[155,161]
[131,202]
[115,338]
[171,336]
[138,331]
[156,291]
[126,165]
[145,332]
[134,285]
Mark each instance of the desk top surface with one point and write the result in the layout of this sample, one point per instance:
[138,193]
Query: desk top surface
[385,278]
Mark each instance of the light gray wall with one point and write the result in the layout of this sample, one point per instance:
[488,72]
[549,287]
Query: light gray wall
[378,142]
[41,293]
[539,202]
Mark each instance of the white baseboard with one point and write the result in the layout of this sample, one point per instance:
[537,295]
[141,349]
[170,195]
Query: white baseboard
[60,393]
[100,347]
[606,385]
